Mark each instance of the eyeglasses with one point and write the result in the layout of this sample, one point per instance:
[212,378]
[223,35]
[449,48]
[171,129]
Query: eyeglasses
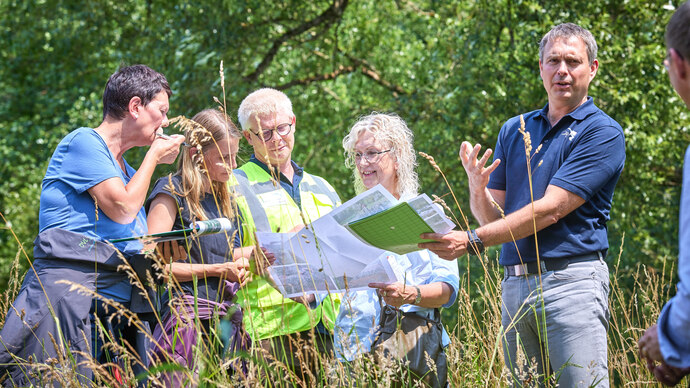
[282,130]
[369,156]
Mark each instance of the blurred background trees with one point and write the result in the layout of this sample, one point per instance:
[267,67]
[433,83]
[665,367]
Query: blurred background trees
[454,70]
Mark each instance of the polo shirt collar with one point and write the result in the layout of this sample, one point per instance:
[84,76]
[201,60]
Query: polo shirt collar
[298,170]
[580,113]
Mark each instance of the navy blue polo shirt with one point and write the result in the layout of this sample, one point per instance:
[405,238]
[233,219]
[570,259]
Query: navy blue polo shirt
[583,153]
[292,188]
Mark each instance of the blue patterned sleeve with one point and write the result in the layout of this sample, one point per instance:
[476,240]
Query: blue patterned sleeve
[674,321]
[444,271]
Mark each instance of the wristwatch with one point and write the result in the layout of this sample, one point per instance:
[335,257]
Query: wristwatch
[475,246]
[419,296]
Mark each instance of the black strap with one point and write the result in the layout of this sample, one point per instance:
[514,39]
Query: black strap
[392,310]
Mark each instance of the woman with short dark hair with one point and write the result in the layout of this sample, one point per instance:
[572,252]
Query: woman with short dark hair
[90,195]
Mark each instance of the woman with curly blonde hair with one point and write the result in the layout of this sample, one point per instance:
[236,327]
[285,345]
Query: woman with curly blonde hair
[389,130]
[379,149]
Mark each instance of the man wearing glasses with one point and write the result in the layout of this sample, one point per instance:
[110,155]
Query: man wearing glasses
[666,346]
[556,180]
[281,197]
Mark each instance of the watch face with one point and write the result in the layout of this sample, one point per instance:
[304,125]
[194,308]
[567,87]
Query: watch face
[476,247]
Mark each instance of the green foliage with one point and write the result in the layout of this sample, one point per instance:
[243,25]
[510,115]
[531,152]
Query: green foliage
[454,70]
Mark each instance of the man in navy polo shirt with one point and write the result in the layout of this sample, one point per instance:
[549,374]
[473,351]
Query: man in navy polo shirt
[556,283]
[666,345]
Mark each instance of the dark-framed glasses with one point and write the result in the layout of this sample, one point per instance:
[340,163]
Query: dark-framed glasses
[370,156]
[281,130]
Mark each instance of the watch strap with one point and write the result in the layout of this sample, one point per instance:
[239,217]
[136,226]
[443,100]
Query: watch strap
[475,246]
[419,295]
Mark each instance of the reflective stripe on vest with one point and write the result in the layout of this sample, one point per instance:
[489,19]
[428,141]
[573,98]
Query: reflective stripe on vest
[259,218]
[266,206]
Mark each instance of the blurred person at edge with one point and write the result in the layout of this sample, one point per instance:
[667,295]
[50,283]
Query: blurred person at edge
[577,154]
[90,195]
[379,147]
[666,346]
[277,195]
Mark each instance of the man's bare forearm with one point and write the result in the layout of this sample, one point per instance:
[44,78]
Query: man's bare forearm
[483,208]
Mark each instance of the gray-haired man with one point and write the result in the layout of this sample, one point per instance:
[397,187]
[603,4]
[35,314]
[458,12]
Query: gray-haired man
[556,284]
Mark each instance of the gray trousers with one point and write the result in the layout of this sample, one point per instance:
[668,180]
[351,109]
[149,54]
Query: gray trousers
[561,332]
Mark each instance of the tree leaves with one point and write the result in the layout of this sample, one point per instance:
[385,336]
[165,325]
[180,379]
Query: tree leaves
[453,70]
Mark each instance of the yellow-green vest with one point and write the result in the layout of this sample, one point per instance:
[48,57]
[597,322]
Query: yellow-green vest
[267,207]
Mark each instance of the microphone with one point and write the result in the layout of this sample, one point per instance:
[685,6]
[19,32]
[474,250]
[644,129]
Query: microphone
[216,225]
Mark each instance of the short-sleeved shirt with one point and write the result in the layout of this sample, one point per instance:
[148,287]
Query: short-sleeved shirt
[583,153]
[81,161]
[208,249]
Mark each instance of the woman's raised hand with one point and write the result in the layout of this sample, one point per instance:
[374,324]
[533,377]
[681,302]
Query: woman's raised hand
[166,148]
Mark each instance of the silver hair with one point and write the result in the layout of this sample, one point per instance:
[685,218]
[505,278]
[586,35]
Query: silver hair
[566,31]
[389,129]
[263,102]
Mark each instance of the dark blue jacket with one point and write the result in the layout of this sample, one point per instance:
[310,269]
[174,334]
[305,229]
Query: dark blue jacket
[50,315]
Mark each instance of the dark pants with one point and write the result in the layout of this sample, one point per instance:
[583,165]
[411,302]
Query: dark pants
[303,352]
[117,330]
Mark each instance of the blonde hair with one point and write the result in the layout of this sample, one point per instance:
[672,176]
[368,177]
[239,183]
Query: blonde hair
[387,128]
[211,126]
[261,103]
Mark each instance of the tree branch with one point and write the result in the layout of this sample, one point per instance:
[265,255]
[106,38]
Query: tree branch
[316,78]
[370,72]
[359,64]
[329,16]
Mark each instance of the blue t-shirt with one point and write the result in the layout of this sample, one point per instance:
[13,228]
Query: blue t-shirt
[583,153]
[81,161]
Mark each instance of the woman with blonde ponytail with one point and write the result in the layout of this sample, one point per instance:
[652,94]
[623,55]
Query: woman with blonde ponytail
[199,191]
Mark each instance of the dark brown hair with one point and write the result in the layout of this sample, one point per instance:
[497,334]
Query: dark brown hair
[678,31]
[132,81]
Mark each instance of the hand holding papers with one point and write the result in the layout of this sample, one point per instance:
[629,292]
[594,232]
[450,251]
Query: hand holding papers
[293,280]
[346,249]
[398,226]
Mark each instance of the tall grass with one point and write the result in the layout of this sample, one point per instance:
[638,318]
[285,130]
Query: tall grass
[475,356]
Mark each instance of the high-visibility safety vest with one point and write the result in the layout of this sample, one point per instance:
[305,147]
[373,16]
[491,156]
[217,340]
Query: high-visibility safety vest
[267,207]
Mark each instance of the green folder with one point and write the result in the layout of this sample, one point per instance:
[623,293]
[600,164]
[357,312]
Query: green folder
[396,229]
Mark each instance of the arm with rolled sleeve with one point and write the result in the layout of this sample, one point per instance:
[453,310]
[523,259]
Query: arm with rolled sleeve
[444,271]
[674,322]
